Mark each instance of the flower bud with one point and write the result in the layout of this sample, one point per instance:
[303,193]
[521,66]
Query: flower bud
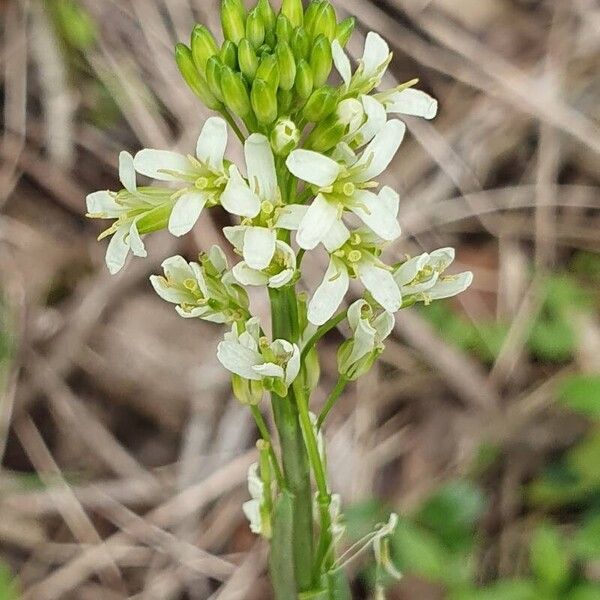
[285,137]
[300,44]
[321,104]
[294,11]
[235,93]
[255,28]
[321,60]
[185,62]
[304,80]
[268,71]
[312,370]
[213,76]
[267,14]
[228,55]
[325,22]
[287,66]
[247,59]
[247,391]
[285,99]
[203,47]
[326,135]
[310,15]
[353,370]
[345,30]
[283,29]
[264,101]
[233,16]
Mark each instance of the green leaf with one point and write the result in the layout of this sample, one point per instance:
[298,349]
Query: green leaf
[581,393]
[503,590]
[585,591]
[552,340]
[587,539]
[549,560]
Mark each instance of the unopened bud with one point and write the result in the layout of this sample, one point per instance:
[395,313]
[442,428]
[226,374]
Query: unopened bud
[191,75]
[233,16]
[203,47]
[285,99]
[321,104]
[228,55]
[264,102]
[213,76]
[255,28]
[325,22]
[326,135]
[304,80]
[283,29]
[284,137]
[235,93]
[310,15]
[345,30]
[300,44]
[268,71]
[267,14]
[248,392]
[294,11]
[321,61]
[247,59]
[287,66]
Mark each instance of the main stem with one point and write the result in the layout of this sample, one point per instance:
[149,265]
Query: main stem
[295,459]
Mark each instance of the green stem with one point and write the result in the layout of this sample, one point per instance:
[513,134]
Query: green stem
[321,331]
[264,432]
[340,386]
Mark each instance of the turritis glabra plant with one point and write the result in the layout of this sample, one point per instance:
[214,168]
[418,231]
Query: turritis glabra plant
[314,143]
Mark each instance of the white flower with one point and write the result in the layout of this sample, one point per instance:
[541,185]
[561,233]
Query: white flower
[254,509]
[136,211]
[374,120]
[256,241]
[421,280]
[345,184]
[278,273]
[202,291]
[371,67]
[407,100]
[250,356]
[205,177]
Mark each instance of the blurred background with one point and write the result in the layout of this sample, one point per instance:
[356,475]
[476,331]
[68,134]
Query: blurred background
[123,455]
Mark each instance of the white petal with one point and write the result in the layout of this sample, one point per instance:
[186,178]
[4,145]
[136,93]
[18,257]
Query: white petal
[167,292]
[259,247]
[269,370]
[380,152]
[318,220]
[186,212]
[336,237]
[341,61]
[374,213]
[261,167]
[251,510]
[330,293]
[103,204]
[364,341]
[239,359]
[247,276]
[344,154]
[212,142]
[293,367]
[127,171]
[235,236]
[384,325]
[255,485]
[117,250]
[376,54]
[154,163]
[238,198]
[177,269]
[376,119]
[290,216]
[391,199]
[406,272]
[446,287]
[217,258]
[135,242]
[355,313]
[313,167]
[442,258]
[281,279]
[412,102]
[382,286]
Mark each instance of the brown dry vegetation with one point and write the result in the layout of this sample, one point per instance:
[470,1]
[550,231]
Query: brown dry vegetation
[118,410]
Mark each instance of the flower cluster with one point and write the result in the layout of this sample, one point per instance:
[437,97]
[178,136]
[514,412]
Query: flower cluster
[316,137]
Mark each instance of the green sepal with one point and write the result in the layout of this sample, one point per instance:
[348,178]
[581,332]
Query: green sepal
[283,29]
[284,100]
[235,94]
[155,219]
[268,71]
[191,75]
[228,55]
[294,11]
[310,15]
[304,80]
[326,135]
[287,66]
[281,561]
[325,22]
[321,104]
[267,14]
[233,20]
[345,30]
[321,60]
[247,59]
[264,101]
[213,76]
[255,28]
[203,46]
[300,43]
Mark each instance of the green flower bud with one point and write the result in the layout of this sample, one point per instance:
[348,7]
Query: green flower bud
[264,101]
[233,17]
[247,59]
[321,104]
[325,22]
[287,66]
[345,30]
[300,43]
[310,15]
[354,370]
[283,29]
[268,71]
[235,93]
[285,99]
[312,370]
[203,47]
[247,391]
[329,132]
[213,76]
[294,11]
[185,62]
[304,80]
[154,220]
[228,55]
[285,137]
[267,14]
[321,60]
[255,28]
